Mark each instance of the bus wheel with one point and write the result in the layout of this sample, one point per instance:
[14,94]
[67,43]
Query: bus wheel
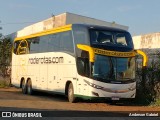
[24,91]
[71,97]
[29,87]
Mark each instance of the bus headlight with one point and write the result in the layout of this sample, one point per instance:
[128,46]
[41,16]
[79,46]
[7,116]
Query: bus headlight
[93,85]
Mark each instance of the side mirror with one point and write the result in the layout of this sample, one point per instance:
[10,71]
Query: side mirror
[88,49]
[145,57]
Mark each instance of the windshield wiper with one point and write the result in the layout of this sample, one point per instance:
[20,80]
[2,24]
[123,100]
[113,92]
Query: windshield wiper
[111,74]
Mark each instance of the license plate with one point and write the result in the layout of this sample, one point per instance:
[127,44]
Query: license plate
[115,98]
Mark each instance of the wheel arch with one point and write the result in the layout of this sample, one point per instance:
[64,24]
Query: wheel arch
[21,82]
[28,79]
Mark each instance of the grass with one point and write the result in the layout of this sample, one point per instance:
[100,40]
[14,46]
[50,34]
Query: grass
[156,103]
[4,83]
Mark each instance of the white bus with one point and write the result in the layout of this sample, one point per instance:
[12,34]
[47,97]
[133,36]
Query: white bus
[77,60]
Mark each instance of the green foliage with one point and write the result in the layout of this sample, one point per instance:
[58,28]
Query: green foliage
[5,55]
[4,83]
[156,103]
[148,87]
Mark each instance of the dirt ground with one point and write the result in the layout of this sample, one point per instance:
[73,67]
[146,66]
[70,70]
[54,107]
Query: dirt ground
[13,97]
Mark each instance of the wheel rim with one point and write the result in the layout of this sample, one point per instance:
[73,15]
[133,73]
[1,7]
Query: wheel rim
[23,85]
[71,97]
[29,89]
[70,93]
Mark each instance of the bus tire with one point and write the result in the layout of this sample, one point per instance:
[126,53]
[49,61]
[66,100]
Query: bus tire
[24,91]
[29,87]
[71,97]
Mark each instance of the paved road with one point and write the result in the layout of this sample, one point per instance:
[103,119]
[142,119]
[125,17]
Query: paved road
[12,99]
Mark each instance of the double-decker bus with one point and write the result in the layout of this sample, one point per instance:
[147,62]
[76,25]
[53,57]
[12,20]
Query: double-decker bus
[77,60]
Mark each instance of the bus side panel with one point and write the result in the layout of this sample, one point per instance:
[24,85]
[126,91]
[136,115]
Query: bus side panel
[38,70]
[43,72]
[15,71]
[19,68]
[52,73]
[82,87]
[66,72]
[33,71]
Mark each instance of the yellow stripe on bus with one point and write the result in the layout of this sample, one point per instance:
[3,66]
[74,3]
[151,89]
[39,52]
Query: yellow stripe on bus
[114,53]
[93,51]
[46,32]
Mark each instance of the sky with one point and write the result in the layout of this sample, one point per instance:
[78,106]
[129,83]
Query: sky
[141,16]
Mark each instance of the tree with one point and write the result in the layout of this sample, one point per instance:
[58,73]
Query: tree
[5,55]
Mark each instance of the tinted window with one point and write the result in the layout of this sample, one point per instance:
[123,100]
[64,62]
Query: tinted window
[21,47]
[112,38]
[48,43]
[61,42]
[111,68]
[43,44]
[66,43]
[53,42]
[81,35]
[33,45]
[16,44]
[121,39]
[83,64]
[102,67]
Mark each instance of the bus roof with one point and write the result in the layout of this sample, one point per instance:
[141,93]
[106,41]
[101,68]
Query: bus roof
[67,28]
[45,32]
[91,26]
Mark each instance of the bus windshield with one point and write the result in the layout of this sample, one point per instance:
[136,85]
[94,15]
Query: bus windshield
[121,39]
[112,68]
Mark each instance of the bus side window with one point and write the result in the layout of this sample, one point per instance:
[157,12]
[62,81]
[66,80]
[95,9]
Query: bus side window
[53,43]
[104,37]
[83,64]
[121,39]
[66,42]
[80,66]
[16,44]
[43,44]
[23,47]
[33,44]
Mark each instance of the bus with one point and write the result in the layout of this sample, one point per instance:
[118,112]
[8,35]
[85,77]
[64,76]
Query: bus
[76,60]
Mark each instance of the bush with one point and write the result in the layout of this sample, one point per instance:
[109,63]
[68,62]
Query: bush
[148,82]
[5,56]
[4,83]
